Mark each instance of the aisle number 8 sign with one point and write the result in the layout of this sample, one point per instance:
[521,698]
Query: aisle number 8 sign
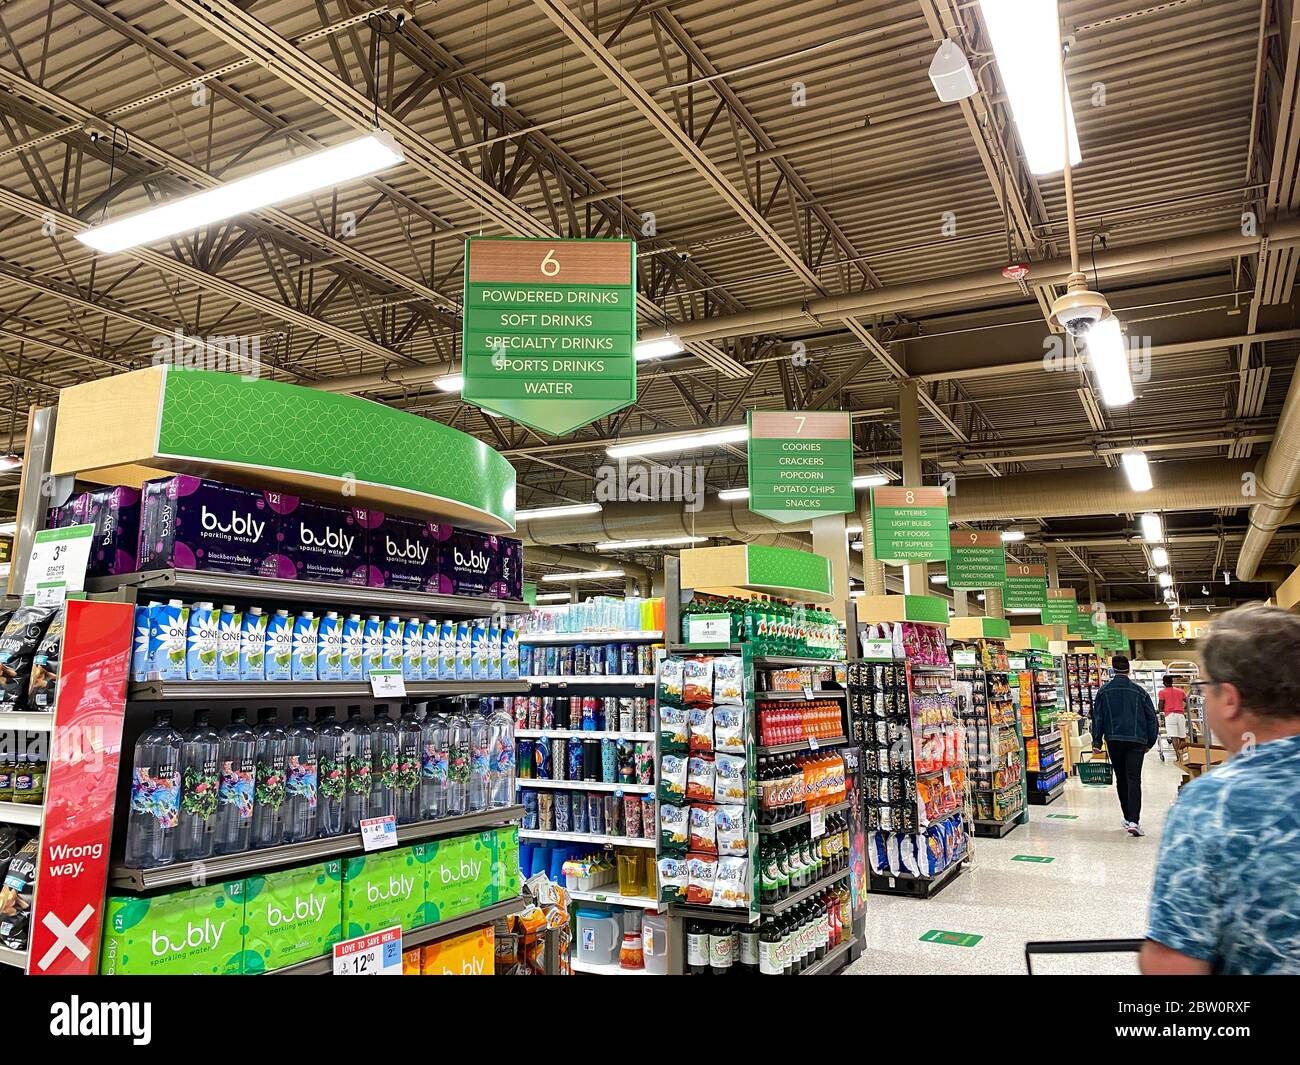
[549,329]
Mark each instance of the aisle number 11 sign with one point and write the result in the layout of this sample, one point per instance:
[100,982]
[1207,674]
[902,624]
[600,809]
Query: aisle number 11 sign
[549,329]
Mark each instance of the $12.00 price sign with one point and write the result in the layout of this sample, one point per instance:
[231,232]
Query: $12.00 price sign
[549,329]
[376,954]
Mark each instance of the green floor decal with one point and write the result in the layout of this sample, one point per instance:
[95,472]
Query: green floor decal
[954,939]
[1065,817]
[1031,858]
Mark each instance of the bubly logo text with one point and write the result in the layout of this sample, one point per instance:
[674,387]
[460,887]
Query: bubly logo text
[241,525]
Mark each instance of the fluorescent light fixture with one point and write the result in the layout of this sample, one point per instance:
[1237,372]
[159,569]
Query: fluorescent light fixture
[309,173]
[853,530]
[452,382]
[1153,530]
[734,493]
[1166,580]
[870,480]
[861,593]
[565,510]
[553,597]
[1012,536]
[1026,39]
[1160,557]
[981,597]
[938,578]
[688,442]
[583,575]
[1022,610]
[10,461]
[856,545]
[661,541]
[659,348]
[1109,361]
[1137,470]
[8,528]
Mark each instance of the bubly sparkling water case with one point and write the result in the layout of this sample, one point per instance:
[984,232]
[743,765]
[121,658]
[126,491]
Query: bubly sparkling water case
[400,552]
[191,523]
[324,543]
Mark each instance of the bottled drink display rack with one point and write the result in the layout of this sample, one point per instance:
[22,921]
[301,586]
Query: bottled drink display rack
[1039,687]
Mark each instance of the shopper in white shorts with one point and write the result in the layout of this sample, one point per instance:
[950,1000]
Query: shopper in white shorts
[1173,704]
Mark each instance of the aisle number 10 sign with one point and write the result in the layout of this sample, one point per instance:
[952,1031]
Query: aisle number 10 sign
[549,329]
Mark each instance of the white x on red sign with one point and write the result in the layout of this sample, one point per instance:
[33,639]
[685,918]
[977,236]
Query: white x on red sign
[65,937]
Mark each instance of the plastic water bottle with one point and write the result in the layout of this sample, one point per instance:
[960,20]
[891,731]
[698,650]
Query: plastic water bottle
[155,795]
[301,780]
[501,758]
[360,764]
[478,762]
[383,784]
[434,764]
[408,766]
[458,757]
[272,763]
[236,786]
[200,758]
[331,772]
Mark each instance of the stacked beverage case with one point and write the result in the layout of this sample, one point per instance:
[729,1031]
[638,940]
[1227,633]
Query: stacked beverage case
[206,792]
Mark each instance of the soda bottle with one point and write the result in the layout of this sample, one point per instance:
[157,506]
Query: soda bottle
[236,786]
[724,945]
[301,779]
[747,959]
[769,947]
[697,949]
[769,877]
[200,758]
[331,772]
[155,795]
[272,762]
[782,855]
[360,754]
[383,778]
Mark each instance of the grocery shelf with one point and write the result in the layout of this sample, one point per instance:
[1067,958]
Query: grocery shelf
[638,680]
[613,636]
[165,690]
[415,937]
[221,866]
[584,785]
[614,899]
[781,905]
[586,837]
[712,913]
[802,819]
[834,957]
[250,586]
[613,969]
[27,721]
[16,958]
[21,813]
[803,745]
[789,661]
[799,696]
[578,734]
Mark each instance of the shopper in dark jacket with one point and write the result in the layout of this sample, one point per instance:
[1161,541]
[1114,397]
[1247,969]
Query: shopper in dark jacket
[1123,717]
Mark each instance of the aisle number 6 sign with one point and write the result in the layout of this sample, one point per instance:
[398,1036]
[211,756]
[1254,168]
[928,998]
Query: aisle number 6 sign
[550,264]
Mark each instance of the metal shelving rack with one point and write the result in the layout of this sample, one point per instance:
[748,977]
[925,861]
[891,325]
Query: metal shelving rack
[985,680]
[1045,699]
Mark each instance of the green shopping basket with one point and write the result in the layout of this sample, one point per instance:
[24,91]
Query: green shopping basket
[1096,773]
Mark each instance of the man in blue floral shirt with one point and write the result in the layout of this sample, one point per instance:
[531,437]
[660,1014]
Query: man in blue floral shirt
[1227,888]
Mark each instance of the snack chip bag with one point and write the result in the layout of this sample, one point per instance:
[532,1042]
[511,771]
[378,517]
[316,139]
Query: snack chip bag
[729,784]
[704,835]
[729,680]
[701,871]
[699,778]
[674,827]
[733,837]
[700,719]
[674,728]
[697,682]
[674,879]
[729,729]
[731,884]
[670,682]
[672,778]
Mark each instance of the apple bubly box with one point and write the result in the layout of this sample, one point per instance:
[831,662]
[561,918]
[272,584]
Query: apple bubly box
[191,523]
[323,543]
[472,563]
[116,514]
[400,552]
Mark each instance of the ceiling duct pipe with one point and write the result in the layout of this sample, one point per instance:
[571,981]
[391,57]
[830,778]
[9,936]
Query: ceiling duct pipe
[578,560]
[1277,485]
[1085,490]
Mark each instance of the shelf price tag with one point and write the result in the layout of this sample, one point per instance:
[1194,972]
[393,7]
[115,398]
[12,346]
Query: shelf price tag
[709,629]
[377,954]
[1015,664]
[817,823]
[387,684]
[57,564]
[807,691]
[963,658]
[877,650]
[812,743]
[378,833]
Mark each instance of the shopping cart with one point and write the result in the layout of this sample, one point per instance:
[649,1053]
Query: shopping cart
[1163,742]
[1079,946]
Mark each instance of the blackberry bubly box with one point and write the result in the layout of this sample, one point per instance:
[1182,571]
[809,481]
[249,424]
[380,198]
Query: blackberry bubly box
[400,552]
[190,523]
[472,563]
[322,542]
[117,531]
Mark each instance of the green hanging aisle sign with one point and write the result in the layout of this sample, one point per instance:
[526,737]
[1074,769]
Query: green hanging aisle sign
[549,329]
[1060,607]
[910,525]
[800,464]
[1083,624]
[1026,587]
[978,560]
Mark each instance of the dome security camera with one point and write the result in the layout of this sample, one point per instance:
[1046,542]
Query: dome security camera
[1080,308]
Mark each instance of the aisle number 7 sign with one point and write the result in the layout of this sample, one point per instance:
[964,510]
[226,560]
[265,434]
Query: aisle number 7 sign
[549,329]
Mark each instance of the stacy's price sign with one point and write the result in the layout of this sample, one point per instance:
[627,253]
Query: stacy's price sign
[800,464]
[549,329]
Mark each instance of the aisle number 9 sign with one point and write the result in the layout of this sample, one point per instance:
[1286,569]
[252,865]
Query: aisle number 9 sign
[549,329]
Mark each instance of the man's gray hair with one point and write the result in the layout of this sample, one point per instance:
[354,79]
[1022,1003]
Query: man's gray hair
[1256,648]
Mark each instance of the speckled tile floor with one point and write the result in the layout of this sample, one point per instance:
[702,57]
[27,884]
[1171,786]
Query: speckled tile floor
[1096,888]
